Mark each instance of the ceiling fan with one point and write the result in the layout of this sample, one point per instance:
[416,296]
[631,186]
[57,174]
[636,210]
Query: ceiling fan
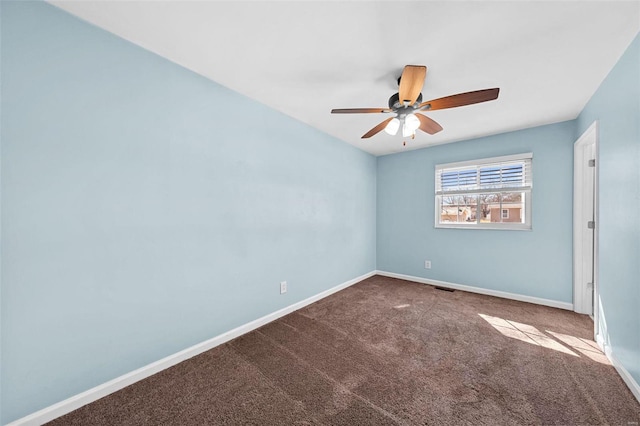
[408,101]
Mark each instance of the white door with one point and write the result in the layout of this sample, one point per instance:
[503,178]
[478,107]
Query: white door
[584,227]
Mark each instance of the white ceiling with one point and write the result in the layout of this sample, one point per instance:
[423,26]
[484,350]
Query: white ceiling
[305,58]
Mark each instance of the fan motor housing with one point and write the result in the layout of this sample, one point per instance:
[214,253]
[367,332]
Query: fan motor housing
[395,99]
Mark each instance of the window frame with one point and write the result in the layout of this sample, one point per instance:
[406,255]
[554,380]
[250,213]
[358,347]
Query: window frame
[526,194]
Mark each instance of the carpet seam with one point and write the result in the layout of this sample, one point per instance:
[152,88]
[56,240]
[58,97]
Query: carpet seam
[340,385]
[584,392]
[272,382]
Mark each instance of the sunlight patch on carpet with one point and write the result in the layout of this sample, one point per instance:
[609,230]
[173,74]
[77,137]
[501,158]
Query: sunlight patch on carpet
[586,347]
[526,333]
[406,305]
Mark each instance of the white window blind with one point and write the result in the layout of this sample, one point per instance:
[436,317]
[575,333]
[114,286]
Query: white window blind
[512,173]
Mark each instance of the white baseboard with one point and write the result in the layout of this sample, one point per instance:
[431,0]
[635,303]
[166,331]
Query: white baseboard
[601,344]
[626,376]
[479,290]
[63,407]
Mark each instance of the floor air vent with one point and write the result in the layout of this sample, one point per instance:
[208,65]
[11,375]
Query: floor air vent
[445,289]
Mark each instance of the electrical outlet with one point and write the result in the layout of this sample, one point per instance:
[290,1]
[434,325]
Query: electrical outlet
[427,264]
[283,287]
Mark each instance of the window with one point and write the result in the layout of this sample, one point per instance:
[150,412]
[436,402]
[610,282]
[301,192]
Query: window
[493,193]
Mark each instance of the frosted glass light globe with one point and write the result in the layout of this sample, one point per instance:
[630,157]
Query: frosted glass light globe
[392,126]
[412,122]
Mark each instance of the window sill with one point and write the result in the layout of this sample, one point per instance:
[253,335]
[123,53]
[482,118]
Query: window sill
[515,227]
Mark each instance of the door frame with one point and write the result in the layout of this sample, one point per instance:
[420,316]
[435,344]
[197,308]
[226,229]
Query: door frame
[581,156]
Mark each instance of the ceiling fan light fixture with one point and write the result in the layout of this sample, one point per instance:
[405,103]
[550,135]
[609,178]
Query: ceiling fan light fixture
[392,127]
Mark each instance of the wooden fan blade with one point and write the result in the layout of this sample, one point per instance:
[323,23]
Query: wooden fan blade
[411,83]
[428,125]
[359,110]
[462,99]
[377,129]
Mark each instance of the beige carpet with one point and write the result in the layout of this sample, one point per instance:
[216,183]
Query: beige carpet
[386,352]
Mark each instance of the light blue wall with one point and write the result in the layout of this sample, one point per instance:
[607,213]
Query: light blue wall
[146,208]
[1,213]
[616,107]
[533,263]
